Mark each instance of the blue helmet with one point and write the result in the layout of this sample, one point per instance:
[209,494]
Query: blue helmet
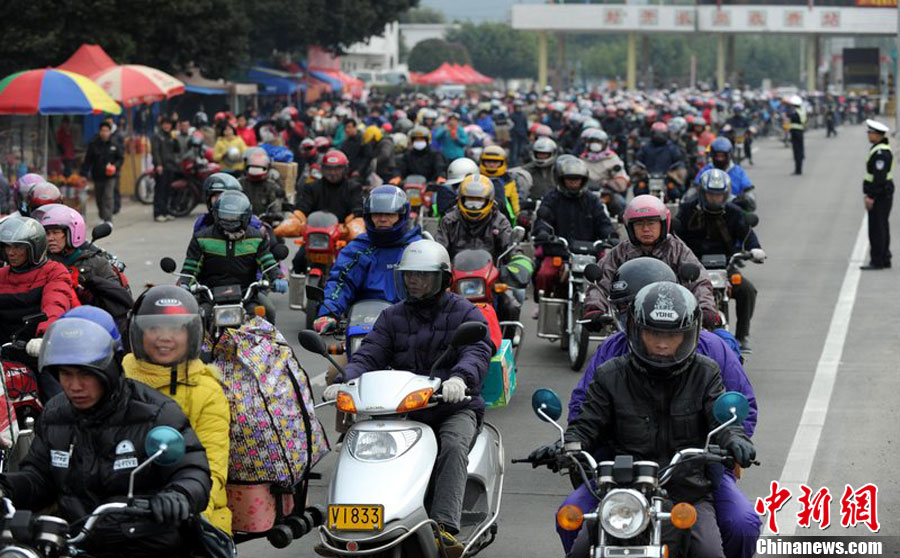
[83,344]
[721,145]
[387,199]
[100,317]
[714,181]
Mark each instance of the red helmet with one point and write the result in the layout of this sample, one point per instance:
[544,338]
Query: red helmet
[258,166]
[646,207]
[689,119]
[659,127]
[534,128]
[650,115]
[308,147]
[291,112]
[335,158]
[43,193]
[387,127]
[209,154]
[221,116]
[323,143]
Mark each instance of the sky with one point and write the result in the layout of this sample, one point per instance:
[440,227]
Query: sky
[476,10]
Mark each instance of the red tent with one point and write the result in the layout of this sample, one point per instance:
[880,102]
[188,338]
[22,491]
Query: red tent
[88,60]
[472,76]
[442,74]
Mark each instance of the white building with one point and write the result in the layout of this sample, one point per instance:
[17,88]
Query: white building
[379,53]
[413,33]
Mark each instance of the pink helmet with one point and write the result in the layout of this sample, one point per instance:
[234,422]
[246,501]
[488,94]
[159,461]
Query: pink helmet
[646,207]
[25,183]
[63,216]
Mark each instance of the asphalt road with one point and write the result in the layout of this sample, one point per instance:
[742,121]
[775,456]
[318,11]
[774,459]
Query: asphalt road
[808,226]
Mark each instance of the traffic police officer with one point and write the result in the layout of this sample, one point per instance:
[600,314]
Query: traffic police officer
[878,195]
[797,116]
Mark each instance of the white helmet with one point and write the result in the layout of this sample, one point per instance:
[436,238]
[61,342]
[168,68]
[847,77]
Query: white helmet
[423,271]
[544,145]
[459,169]
[796,100]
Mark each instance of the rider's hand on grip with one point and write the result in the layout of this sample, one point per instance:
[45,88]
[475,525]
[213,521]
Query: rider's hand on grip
[280,286]
[546,455]
[598,320]
[758,255]
[324,324]
[170,507]
[743,451]
[454,390]
[331,392]
[33,348]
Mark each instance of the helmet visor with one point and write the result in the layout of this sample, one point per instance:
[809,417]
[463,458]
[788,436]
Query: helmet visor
[663,347]
[76,342]
[418,285]
[166,338]
[387,202]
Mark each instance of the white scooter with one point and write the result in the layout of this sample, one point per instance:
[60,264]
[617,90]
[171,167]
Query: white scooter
[377,495]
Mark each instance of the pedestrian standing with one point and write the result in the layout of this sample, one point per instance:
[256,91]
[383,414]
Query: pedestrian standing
[165,148]
[797,117]
[102,163]
[518,137]
[66,146]
[878,195]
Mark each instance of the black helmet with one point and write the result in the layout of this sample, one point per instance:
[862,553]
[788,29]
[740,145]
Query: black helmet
[569,166]
[387,199]
[82,343]
[634,275]
[165,307]
[663,311]
[714,181]
[217,183]
[232,212]
[29,233]
[200,119]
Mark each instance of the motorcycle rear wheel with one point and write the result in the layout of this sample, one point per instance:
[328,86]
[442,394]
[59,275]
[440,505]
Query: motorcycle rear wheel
[144,188]
[182,201]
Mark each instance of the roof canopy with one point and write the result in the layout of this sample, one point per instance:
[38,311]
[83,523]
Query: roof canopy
[88,60]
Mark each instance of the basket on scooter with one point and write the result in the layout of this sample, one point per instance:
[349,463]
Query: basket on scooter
[297,291]
[551,317]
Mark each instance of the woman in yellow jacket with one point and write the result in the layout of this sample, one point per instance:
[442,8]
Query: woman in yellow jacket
[229,149]
[166,333]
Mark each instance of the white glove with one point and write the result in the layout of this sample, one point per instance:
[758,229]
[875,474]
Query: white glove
[33,347]
[758,255]
[331,392]
[454,390]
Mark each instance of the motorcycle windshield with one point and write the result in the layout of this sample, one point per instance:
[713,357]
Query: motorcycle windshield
[321,220]
[365,312]
[472,260]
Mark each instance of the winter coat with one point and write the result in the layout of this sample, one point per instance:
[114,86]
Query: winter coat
[573,217]
[340,199]
[95,281]
[99,154]
[710,345]
[363,271]
[427,163]
[658,158]
[607,170]
[452,148]
[456,233]
[706,233]
[383,153]
[262,193]
[199,394]
[46,288]
[164,148]
[359,154]
[650,417]
[410,336]
[739,179]
[216,261]
[542,180]
[221,149]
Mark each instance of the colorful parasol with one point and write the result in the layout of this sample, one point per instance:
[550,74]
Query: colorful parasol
[50,91]
[133,84]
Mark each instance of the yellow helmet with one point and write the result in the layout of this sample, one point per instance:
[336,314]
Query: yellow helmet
[372,133]
[473,188]
[493,153]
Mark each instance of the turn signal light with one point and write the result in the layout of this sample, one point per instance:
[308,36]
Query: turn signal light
[500,288]
[259,311]
[345,403]
[737,279]
[557,261]
[298,241]
[415,400]
[570,517]
[683,515]
[665,551]
[341,244]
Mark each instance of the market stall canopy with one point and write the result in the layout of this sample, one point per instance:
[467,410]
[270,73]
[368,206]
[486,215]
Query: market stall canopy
[87,61]
[195,82]
[50,91]
[134,84]
[274,82]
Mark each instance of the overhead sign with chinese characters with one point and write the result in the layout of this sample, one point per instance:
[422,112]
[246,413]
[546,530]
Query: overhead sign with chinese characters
[794,19]
[609,17]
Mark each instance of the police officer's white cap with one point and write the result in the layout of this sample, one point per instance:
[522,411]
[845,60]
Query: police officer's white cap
[876,126]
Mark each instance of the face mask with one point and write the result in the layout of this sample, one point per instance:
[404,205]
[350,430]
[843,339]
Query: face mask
[595,147]
[419,145]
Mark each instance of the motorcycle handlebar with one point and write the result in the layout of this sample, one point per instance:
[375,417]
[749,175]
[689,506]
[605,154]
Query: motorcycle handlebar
[138,508]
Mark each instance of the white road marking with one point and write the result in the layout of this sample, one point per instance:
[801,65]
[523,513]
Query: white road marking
[318,380]
[800,458]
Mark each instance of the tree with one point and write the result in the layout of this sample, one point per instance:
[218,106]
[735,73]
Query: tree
[498,50]
[427,55]
[423,14]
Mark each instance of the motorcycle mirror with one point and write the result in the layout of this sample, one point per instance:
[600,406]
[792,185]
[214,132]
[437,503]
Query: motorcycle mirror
[167,440]
[731,403]
[592,272]
[547,401]
[311,341]
[689,272]
[314,293]
[34,319]
[518,234]
[468,333]
[167,264]
[752,219]
[280,252]
[101,231]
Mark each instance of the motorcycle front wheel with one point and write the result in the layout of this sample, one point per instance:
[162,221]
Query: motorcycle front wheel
[144,188]
[182,201]
[579,338]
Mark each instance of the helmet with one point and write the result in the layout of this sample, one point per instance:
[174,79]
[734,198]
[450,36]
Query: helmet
[419,132]
[165,308]
[543,131]
[217,183]
[200,119]
[100,317]
[24,185]
[721,145]
[308,147]
[196,139]
[591,123]
[27,232]
[714,181]
[796,100]
[257,166]
[669,311]
[386,199]
[403,125]
[292,113]
[233,154]
[659,131]
[231,212]
[372,133]
[571,167]
[700,121]
[678,125]
[596,135]
[737,108]
[460,169]
[64,217]
[250,151]
[493,153]
[426,264]
[401,142]
[42,193]
[476,197]
[634,275]
[544,145]
[646,207]
[720,152]
[323,143]
[335,159]
[79,342]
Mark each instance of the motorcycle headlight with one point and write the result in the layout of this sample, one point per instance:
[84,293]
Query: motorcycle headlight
[581,261]
[470,288]
[624,513]
[18,552]
[718,279]
[319,241]
[229,316]
[381,445]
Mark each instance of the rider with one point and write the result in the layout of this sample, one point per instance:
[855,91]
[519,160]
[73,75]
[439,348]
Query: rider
[648,224]
[411,335]
[543,157]
[24,185]
[659,155]
[87,443]
[742,189]
[457,171]
[739,121]
[646,390]
[231,252]
[738,522]
[166,332]
[493,165]
[713,225]
[258,182]
[421,159]
[41,194]
[476,221]
[606,170]
[365,267]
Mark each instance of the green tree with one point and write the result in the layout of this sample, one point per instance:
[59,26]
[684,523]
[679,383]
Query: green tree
[427,55]
[423,14]
[498,50]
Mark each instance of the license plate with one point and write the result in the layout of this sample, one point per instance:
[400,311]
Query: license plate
[356,518]
[319,258]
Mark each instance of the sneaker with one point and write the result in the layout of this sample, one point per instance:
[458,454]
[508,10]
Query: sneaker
[536,312]
[170,217]
[160,219]
[744,342]
[452,547]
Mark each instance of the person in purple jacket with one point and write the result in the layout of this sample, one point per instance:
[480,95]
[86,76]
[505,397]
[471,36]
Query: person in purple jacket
[738,522]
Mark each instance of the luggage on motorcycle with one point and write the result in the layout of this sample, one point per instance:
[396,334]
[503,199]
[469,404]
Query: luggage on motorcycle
[493,322]
[8,423]
[21,389]
[500,382]
[551,318]
[292,226]
[254,507]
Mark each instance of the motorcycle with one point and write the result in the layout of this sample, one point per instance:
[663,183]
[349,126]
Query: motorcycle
[377,494]
[20,396]
[724,273]
[145,186]
[358,323]
[101,231]
[187,191]
[416,187]
[628,520]
[322,239]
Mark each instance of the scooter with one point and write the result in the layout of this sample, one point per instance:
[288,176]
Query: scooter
[103,230]
[377,494]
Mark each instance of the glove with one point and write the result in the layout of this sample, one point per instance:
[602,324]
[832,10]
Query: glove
[324,324]
[542,236]
[743,451]
[546,455]
[170,507]
[597,321]
[33,348]
[758,255]
[454,389]
[280,285]
[330,393]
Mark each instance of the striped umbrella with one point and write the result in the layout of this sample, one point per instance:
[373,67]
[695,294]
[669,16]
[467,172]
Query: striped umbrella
[133,84]
[50,91]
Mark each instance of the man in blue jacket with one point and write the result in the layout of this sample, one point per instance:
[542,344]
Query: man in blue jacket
[365,267]
[738,523]
[743,191]
[452,138]
[411,335]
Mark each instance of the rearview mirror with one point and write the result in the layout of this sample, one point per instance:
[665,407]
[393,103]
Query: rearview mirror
[101,231]
[592,272]
[168,265]
[518,234]
[469,333]
[731,403]
[167,440]
[752,219]
[311,341]
[314,293]
[547,401]
[689,272]
[280,252]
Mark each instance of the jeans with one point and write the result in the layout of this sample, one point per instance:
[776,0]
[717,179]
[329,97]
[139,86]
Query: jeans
[456,435]
[104,192]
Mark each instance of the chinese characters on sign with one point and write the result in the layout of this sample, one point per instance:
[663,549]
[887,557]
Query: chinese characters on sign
[722,18]
[614,16]
[756,18]
[649,16]
[858,507]
[684,18]
[793,18]
[831,19]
